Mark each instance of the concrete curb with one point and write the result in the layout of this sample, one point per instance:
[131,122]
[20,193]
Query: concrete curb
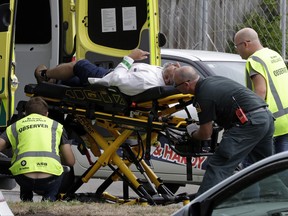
[4,208]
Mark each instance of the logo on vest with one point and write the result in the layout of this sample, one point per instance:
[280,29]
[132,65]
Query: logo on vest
[23,163]
[41,164]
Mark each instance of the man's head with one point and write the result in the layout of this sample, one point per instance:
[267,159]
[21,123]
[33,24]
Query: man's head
[36,105]
[168,72]
[185,79]
[247,42]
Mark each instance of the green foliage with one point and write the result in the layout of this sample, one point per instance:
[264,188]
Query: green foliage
[266,22]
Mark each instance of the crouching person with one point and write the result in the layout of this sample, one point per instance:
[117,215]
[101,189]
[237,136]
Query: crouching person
[40,147]
[248,124]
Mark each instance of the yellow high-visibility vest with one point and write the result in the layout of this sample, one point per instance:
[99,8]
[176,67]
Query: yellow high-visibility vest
[35,141]
[272,67]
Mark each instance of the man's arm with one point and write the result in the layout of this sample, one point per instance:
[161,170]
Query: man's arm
[67,156]
[3,143]
[259,85]
[121,77]
[138,54]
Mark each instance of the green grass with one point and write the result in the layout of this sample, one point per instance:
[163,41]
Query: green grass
[80,208]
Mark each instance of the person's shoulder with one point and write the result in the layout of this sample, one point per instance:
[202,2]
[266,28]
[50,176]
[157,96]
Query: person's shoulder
[217,77]
[265,51]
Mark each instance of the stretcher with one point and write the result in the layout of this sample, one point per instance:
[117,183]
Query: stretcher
[133,124]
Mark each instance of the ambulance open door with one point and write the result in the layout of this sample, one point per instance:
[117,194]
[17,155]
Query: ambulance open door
[107,30]
[8,79]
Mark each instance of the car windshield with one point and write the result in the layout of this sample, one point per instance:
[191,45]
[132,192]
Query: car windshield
[270,195]
[232,70]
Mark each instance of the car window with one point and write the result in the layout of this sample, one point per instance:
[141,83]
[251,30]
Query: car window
[268,196]
[182,63]
[232,70]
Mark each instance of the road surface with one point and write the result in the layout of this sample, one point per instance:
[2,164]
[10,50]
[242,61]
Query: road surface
[90,187]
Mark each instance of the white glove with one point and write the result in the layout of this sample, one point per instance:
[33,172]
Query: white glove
[192,128]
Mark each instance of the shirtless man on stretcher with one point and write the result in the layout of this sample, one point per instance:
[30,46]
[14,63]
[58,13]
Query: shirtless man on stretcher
[131,78]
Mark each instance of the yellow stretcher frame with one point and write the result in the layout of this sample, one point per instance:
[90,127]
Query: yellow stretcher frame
[149,118]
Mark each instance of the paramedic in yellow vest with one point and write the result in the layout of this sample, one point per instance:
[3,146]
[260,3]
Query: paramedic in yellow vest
[267,76]
[39,145]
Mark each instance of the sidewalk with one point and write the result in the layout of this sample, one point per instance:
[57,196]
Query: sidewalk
[4,208]
[89,187]
[14,195]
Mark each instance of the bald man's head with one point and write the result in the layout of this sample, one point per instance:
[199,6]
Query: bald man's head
[185,73]
[247,34]
[185,79]
[247,42]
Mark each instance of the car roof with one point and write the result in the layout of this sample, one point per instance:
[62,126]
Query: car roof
[202,55]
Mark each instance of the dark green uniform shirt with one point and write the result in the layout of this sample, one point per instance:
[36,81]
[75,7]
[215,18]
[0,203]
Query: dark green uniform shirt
[214,100]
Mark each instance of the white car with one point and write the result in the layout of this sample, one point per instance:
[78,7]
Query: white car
[166,164]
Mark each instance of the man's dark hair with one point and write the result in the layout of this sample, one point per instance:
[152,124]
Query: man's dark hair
[36,105]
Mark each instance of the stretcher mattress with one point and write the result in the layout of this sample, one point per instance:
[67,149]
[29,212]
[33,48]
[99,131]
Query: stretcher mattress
[98,97]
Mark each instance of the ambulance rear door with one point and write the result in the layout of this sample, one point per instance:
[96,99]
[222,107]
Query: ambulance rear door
[107,30]
[44,34]
[8,79]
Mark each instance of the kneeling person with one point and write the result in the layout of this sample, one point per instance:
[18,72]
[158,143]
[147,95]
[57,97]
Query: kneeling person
[37,143]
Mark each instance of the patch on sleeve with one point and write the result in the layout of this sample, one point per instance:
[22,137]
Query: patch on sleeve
[197,107]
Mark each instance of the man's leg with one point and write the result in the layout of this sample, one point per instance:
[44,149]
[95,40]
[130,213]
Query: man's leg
[48,187]
[235,145]
[61,72]
[26,195]
[264,147]
[26,188]
[84,69]
[281,143]
[221,164]
[73,82]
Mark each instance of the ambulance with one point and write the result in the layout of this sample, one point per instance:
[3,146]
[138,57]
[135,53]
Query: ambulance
[51,32]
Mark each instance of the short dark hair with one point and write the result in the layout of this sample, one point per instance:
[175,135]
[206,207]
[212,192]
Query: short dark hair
[36,105]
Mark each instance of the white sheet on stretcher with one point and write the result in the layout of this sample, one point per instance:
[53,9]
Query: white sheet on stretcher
[100,81]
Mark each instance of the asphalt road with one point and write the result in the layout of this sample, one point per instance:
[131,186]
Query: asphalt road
[90,187]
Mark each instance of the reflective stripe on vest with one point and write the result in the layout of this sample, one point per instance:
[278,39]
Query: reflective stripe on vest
[38,153]
[281,111]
